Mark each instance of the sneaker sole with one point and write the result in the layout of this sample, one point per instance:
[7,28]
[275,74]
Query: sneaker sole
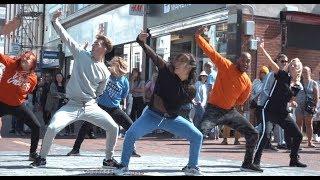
[249,170]
[73,154]
[41,166]
[191,174]
[109,167]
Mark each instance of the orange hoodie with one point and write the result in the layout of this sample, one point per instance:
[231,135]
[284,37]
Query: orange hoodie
[15,84]
[232,87]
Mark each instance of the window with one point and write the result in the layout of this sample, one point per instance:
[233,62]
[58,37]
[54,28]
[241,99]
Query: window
[125,57]
[80,6]
[137,60]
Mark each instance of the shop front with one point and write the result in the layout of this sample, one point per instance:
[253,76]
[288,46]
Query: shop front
[121,27]
[173,26]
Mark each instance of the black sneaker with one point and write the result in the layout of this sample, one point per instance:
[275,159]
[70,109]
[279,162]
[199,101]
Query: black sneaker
[92,136]
[282,146]
[33,156]
[74,152]
[257,165]
[295,162]
[39,162]
[249,167]
[135,154]
[111,163]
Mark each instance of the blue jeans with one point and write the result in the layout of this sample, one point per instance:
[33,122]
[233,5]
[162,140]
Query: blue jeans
[150,121]
[199,111]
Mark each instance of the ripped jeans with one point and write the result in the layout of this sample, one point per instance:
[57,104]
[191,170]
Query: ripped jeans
[150,121]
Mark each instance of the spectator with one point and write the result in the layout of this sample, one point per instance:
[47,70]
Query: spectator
[137,91]
[310,92]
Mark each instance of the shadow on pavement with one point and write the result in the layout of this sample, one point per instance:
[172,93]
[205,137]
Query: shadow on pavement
[222,151]
[15,167]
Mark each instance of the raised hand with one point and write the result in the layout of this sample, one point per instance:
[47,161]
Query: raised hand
[56,14]
[143,36]
[261,45]
[201,30]
[11,25]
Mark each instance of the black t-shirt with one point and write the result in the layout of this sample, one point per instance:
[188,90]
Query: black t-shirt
[171,90]
[282,94]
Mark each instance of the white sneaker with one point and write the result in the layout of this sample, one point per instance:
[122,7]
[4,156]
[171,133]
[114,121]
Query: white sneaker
[192,171]
[121,171]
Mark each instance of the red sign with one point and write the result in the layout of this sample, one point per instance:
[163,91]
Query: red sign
[136,9]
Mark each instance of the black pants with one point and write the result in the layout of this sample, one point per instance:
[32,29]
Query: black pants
[217,116]
[118,115]
[293,136]
[46,115]
[17,124]
[24,114]
[137,108]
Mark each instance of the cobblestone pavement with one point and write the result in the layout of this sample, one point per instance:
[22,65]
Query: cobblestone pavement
[14,163]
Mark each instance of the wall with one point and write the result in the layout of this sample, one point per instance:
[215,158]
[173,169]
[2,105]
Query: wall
[273,10]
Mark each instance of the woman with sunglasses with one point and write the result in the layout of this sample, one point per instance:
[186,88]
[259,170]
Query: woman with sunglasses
[275,100]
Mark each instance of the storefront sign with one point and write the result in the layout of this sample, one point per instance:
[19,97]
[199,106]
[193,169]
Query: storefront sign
[172,7]
[136,9]
[166,13]
[50,59]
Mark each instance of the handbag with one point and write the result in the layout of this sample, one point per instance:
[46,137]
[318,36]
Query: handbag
[310,105]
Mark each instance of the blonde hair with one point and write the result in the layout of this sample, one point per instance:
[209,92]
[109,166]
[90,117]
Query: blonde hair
[299,70]
[121,64]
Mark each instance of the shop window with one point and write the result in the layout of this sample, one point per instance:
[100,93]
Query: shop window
[137,60]
[125,57]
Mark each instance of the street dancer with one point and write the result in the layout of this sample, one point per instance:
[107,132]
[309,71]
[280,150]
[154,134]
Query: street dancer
[173,88]
[17,80]
[275,107]
[231,89]
[117,89]
[88,81]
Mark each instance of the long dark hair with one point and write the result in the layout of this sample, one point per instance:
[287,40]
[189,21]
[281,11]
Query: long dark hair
[63,80]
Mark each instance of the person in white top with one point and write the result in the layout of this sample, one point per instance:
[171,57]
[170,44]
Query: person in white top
[88,81]
[200,100]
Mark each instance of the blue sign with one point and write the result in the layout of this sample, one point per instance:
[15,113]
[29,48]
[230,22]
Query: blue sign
[50,59]
[50,54]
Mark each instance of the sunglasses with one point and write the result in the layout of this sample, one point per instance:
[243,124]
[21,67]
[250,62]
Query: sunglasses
[284,61]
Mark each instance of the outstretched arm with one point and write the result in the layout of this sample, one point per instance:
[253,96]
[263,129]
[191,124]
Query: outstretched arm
[64,35]
[274,67]
[157,60]
[215,57]
[11,26]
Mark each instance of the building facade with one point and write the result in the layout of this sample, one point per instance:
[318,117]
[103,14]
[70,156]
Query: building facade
[84,21]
